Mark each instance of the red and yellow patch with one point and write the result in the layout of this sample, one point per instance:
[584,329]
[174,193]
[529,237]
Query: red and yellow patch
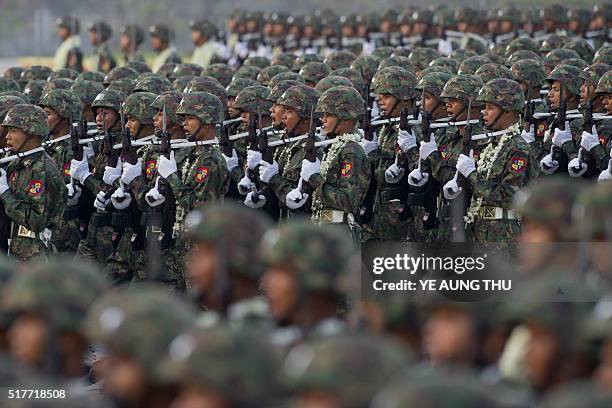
[443,152]
[346,169]
[35,187]
[150,167]
[67,169]
[541,130]
[602,140]
[518,164]
[201,174]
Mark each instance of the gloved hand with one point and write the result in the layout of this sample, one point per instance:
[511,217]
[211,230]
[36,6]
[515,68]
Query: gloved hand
[74,193]
[253,159]
[406,140]
[466,165]
[131,171]
[79,170]
[166,167]
[244,185]
[606,175]
[451,189]
[548,165]
[248,201]
[154,197]
[590,140]
[3,182]
[100,202]
[427,148]
[88,150]
[562,136]
[529,137]
[575,168]
[267,170]
[417,178]
[309,168]
[295,199]
[231,162]
[394,174]
[369,145]
[111,173]
[121,199]
[445,47]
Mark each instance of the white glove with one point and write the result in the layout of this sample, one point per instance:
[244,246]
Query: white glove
[451,189]
[131,171]
[406,140]
[562,136]
[101,203]
[88,150]
[606,175]
[427,148]
[244,185]
[369,145]
[121,199]
[231,162]
[166,167]
[111,173]
[529,137]
[248,201]
[253,159]
[3,182]
[153,196]
[74,193]
[417,178]
[394,174]
[295,199]
[575,168]
[548,165]
[79,170]
[590,140]
[309,168]
[466,165]
[445,47]
[267,170]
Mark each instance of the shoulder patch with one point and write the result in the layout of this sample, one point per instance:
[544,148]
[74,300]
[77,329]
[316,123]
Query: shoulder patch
[518,164]
[35,187]
[346,169]
[443,152]
[67,169]
[150,167]
[201,174]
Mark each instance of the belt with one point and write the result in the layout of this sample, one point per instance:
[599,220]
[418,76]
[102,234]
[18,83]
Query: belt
[496,213]
[332,217]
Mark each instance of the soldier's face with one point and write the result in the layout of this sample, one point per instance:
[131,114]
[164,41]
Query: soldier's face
[463,27]
[230,107]
[281,290]
[125,42]
[245,116]
[196,397]
[158,121]
[329,123]
[157,43]
[15,139]
[277,112]
[453,107]
[111,118]
[491,113]
[431,102]
[554,95]
[94,39]
[607,101]
[132,125]
[585,91]
[448,335]
[290,119]
[574,26]
[52,118]
[506,26]
[27,337]
[63,33]
[347,31]
[540,355]
[201,266]
[125,379]
[196,37]
[405,30]
[191,124]
[419,28]
[388,104]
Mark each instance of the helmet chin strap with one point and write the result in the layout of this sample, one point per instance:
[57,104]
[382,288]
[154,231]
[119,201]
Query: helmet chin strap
[333,131]
[455,118]
[492,125]
[54,128]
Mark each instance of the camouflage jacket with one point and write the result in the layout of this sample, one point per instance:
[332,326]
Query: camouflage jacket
[98,164]
[204,178]
[387,149]
[597,159]
[103,60]
[36,197]
[61,153]
[345,183]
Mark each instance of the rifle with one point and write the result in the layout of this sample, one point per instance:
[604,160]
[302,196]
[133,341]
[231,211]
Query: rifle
[430,204]
[557,152]
[227,146]
[111,155]
[588,118]
[85,207]
[310,153]
[529,110]
[366,212]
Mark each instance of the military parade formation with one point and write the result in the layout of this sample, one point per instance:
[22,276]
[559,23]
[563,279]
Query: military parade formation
[186,230]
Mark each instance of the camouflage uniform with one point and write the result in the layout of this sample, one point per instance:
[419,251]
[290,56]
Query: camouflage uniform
[136,35]
[167,55]
[390,223]
[103,59]
[35,197]
[604,86]
[67,105]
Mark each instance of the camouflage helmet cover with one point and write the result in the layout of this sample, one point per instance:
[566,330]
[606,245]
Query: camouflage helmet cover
[204,106]
[433,82]
[171,100]
[462,87]
[604,85]
[138,106]
[108,99]
[395,81]
[331,81]
[66,104]
[222,72]
[314,71]
[253,99]
[302,98]
[568,75]
[31,119]
[237,85]
[503,92]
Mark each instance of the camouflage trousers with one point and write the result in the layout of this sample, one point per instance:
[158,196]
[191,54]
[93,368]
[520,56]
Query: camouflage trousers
[67,236]
[387,223]
[25,249]
[98,244]
[487,231]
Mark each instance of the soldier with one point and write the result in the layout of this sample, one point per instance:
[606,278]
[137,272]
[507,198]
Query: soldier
[49,302]
[6,103]
[207,50]
[98,244]
[503,166]
[63,108]
[99,35]
[283,174]
[341,179]
[130,40]
[68,31]
[161,36]
[31,186]
[224,264]
[392,156]
[604,88]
